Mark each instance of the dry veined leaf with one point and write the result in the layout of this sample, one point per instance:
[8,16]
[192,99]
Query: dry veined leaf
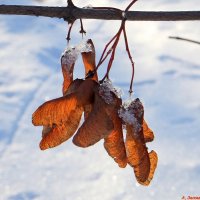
[48,133]
[97,126]
[153,164]
[148,133]
[114,142]
[138,157]
[89,61]
[57,134]
[90,65]
[61,133]
[58,110]
[67,69]
[63,114]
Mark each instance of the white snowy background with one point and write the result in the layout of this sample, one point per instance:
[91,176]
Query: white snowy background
[167,80]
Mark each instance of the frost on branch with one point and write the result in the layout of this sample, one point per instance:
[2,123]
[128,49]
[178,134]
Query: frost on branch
[105,91]
[89,6]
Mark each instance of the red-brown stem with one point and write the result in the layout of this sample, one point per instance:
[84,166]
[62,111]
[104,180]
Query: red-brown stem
[113,48]
[131,59]
[101,60]
[69,32]
[129,6]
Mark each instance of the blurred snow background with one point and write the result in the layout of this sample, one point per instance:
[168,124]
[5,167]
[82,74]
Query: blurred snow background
[167,80]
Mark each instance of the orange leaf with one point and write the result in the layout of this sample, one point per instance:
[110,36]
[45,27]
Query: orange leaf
[153,164]
[61,133]
[90,65]
[89,60]
[67,69]
[138,157]
[55,111]
[97,126]
[114,142]
[58,110]
[137,153]
[148,133]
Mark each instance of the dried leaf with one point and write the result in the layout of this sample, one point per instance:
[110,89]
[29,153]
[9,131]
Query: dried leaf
[137,153]
[73,87]
[148,133]
[58,110]
[114,142]
[97,126]
[89,60]
[67,70]
[153,164]
[61,116]
[54,136]
[90,65]
[61,133]
[87,110]
[55,111]
[144,164]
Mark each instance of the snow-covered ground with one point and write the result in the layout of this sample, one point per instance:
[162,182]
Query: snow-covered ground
[167,80]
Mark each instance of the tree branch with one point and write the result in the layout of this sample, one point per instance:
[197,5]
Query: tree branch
[68,13]
[184,39]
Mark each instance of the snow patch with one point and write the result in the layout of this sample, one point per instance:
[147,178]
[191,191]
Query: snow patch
[84,47]
[70,54]
[89,6]
[130,112]
[106,89]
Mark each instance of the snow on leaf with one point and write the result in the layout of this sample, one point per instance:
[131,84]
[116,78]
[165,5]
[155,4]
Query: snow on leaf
[84,46]
[105,91]
[127,113]
[69,56]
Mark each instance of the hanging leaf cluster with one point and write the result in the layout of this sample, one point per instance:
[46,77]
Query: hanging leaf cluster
[104,117]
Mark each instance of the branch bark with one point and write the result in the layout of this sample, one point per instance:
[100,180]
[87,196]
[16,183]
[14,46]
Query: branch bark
[72,13]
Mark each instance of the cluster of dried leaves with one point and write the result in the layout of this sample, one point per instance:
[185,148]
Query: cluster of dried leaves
[61,117]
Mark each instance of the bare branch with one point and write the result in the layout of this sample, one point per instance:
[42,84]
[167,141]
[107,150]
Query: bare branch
[68,13]
[180,38]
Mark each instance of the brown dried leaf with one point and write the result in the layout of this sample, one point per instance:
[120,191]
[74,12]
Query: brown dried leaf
[55,111]
[153,164]
[68,77]
[61,133]
[87,111]
[114,142]
[97,126]
[148,133]
[137,153]
[73,87]
[90,65]
[89,60]
[144,164]
[55,135]
[58,110]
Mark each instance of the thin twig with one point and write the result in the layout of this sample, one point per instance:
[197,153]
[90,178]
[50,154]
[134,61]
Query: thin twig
[131,59]
[82,31]
[184,39]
